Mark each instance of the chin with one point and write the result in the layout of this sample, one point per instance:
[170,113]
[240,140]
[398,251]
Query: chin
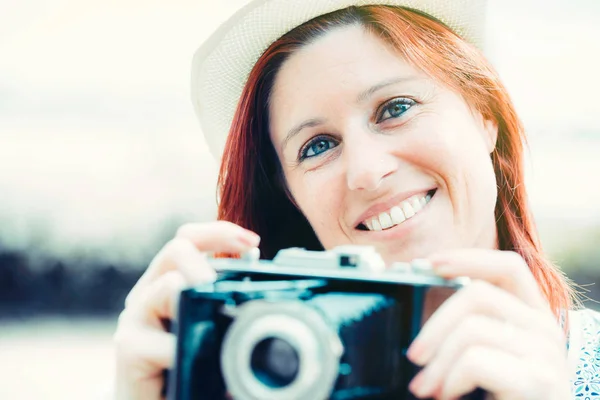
[422,245]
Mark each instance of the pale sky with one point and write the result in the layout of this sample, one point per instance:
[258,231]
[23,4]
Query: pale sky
[99,146]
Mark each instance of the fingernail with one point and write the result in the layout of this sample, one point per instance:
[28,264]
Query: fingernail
[443,270]
[435,258]
[421,265]
[422,385]
[416,353]
[415,385]
[251,239]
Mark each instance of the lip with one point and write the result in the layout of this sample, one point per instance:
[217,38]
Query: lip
[378,208]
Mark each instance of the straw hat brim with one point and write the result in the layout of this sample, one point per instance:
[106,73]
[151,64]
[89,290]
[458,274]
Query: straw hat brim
[223,62]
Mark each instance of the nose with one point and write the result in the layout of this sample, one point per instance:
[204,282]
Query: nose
[367,161]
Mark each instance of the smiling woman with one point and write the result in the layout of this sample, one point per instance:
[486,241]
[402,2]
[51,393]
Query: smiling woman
[385,126]
[458,133]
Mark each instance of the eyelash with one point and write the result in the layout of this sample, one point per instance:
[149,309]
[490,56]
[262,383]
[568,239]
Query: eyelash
[393,103]
[304,150]
[381,111]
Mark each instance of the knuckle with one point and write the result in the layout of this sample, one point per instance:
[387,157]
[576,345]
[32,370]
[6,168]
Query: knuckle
[122,337]
[177,245]
[472,324]
[545,377]
[561,338]
[126,319]
[464,334]
[130,299]
[557,335]
[225,224]
[185,229]
[474,329]
[171,281]
[484,298]
[471,358]
[119,338]
[124,345]
[515,262]
[550,349]
[479,290]
[193,229]
[224,228]
[514,257]
[173,278]
[123,317]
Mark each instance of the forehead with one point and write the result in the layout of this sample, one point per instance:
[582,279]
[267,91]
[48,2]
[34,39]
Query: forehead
[349,57]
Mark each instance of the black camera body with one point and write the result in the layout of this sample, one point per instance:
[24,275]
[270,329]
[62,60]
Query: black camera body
[306,326]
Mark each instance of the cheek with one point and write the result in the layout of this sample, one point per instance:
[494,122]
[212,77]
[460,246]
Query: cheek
[453,151]
[431,146]
[485,191]
[473,163]
[467,169]
[318,194]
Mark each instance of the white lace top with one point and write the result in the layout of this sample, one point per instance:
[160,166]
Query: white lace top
[584,354]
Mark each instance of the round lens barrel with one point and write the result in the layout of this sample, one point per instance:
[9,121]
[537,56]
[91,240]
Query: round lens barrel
[275,362]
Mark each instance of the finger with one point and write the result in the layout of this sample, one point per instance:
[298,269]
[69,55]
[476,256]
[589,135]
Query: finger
[186,250]
[505,269]
[150,350]
[504,375]
[219,236]
[177,255]
[484,299]
[483,331]
[158,302]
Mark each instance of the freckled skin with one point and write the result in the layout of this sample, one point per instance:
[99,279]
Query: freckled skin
[365,159]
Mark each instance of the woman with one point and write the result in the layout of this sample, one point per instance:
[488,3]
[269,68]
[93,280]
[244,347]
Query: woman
[384,126]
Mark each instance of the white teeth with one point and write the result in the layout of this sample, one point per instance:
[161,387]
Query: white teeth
[397,215]
[385,220]
[409,211]
[416,204]
[376,225]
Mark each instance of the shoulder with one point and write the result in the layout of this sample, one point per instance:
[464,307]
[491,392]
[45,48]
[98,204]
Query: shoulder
[584,353]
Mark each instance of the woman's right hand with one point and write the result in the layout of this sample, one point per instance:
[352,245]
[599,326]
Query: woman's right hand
[143,347]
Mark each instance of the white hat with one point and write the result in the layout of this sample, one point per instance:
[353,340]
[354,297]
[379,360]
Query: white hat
[222,64]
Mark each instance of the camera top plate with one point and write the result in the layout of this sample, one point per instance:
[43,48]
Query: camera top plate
[349,262]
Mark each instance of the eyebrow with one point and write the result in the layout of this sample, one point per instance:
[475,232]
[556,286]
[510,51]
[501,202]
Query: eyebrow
[373,89]
[362,96]
[310,123]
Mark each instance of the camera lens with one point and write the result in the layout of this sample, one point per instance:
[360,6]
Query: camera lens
[275,362]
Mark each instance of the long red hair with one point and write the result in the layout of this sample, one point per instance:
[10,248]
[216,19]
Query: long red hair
[251,187]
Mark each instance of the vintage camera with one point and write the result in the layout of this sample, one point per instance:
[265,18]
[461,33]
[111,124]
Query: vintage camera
[309,325]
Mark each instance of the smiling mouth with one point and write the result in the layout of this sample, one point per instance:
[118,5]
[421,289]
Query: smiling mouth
[397,214]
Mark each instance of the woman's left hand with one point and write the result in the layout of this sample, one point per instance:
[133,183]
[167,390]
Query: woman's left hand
[497,333]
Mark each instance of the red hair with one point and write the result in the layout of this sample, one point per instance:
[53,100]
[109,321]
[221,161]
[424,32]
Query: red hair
[251,187]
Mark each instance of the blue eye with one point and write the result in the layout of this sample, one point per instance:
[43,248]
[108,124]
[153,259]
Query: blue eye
[395,108]
[316,147]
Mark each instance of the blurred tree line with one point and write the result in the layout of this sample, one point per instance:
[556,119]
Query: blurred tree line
[580,260]
[62,287]
[82,287]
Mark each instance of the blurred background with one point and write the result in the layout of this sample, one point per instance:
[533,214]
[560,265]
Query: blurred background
[101,159]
